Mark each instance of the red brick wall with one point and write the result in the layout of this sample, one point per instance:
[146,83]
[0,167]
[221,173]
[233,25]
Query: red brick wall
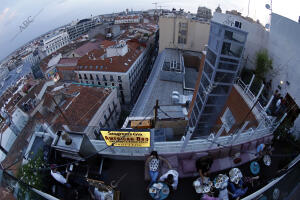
[239,109]
[197,85]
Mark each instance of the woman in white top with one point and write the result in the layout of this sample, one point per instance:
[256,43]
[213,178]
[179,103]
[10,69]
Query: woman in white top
[153,162]
[171,178]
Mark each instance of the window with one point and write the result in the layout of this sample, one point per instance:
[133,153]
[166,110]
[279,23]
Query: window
[220,89]
[91,77]
[208,70]
[228,120]
[211,57]
[80,76]
[224,77]
[228,66]
[231,49]
[97,77]
[238,24]
[119,78]
[85,77]
[229,60]
[111,78]
[105,84]
[120,86]
[104,78]
[112,84]
[99,83]
[237,37]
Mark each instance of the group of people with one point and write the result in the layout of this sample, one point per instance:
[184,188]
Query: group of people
[278,104]
[222,187]
[72,186]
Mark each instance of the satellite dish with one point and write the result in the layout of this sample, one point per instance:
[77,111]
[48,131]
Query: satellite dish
[267,26]
[268,6]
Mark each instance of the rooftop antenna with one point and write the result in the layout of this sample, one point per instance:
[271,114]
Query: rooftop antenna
[248,8]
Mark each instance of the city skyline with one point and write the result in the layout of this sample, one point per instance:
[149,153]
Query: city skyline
[14,13]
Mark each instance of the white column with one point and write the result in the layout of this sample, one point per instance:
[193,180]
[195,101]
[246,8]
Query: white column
[239,132]
[217,135]
[280,121]
[259,93]
[249,85]
[187,138]
[269,103]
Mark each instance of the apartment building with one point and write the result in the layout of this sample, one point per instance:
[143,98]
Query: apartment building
[32,58]
[118,64]
[130,19]
[204,13]
[222,62]
[77,29]
[181,32]
[54,42]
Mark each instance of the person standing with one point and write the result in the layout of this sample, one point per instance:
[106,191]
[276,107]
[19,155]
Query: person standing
[153,162]
[59,177]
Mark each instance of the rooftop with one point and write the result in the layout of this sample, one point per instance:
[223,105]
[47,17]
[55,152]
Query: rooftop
[95,60]
[68,62]
[79,105]
[84,49]
[160,88]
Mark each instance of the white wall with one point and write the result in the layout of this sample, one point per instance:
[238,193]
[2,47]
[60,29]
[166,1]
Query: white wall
[284,49]
[8,138]
[104,110]
[20,118]
[257,35]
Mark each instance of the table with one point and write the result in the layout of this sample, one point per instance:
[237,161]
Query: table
[254,168]
[159,191]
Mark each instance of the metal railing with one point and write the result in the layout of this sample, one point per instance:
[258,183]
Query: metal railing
[197,145]
[252,99]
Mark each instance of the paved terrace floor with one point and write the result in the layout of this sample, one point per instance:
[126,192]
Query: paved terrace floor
[134,186]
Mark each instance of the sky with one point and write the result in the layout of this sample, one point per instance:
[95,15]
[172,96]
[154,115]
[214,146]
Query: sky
[55,13]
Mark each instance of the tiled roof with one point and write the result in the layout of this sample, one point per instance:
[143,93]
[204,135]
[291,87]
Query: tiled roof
[63,50]
[113,64]
[67,62]
[107,43]
[82,107]
[81,51]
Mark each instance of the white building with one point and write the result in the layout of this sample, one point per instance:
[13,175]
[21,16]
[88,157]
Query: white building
[80,28]
[55,42]
[121,65]
[127,19]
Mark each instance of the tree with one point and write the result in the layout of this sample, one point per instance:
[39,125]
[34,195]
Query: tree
[263,64]
[32,174]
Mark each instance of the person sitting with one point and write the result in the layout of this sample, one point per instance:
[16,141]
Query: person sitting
[154,162]
[59,177]
[236,185]
[170,178]
[100,192]
[203,166]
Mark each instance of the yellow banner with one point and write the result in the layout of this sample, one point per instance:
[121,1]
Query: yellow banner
[127,138]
